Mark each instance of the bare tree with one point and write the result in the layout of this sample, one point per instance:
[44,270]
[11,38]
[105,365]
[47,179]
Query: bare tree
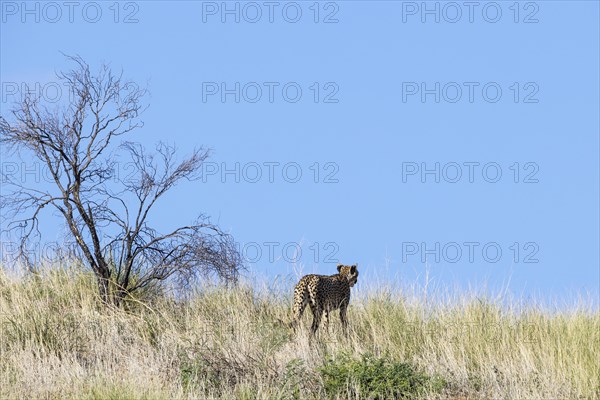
[106,215]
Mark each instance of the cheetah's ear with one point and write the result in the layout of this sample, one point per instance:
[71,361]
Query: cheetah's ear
[353,268]
[339,267]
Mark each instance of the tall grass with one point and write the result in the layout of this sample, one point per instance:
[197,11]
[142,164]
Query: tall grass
[59,342]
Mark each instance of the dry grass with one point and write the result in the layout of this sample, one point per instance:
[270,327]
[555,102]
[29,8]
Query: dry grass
[57,342]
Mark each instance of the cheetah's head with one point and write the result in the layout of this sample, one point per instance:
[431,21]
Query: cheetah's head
[350,272]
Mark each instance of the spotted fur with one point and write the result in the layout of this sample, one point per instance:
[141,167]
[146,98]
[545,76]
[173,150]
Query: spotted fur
[324,294]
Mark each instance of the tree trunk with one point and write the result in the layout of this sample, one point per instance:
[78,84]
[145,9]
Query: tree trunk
[103,288]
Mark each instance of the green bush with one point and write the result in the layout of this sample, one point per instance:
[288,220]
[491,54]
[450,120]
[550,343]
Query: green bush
[375,378]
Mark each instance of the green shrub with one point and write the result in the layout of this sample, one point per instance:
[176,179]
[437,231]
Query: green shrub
[378,378]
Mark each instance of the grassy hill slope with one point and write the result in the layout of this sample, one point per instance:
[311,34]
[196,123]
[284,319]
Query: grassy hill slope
[58,342]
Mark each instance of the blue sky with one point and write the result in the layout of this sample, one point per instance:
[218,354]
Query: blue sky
[362,103]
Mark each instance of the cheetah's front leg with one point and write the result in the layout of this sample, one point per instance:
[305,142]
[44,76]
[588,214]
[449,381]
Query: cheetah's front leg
[344,318]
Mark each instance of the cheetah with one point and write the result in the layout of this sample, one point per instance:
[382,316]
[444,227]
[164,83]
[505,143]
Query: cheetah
[324,294]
